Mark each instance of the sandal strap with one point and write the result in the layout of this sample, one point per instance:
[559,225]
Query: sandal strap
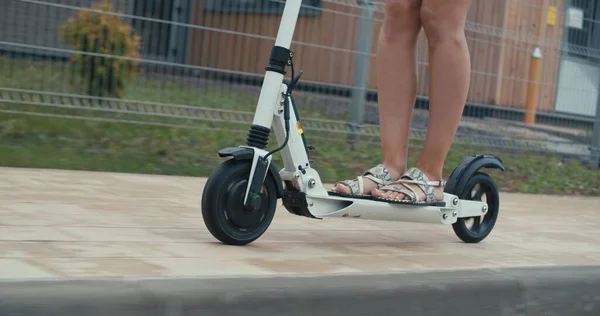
[356,186]
[439,183]
[406,190]
[379,174]
[418,177]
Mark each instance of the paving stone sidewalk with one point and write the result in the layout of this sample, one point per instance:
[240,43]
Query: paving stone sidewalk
[85,224]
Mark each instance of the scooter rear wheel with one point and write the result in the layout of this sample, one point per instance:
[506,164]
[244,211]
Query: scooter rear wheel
[480,187]
[223,210]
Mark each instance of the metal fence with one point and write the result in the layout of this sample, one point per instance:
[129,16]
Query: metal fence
[203,60]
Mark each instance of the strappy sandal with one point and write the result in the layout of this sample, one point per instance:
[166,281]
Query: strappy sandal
[413,176]
[378,174]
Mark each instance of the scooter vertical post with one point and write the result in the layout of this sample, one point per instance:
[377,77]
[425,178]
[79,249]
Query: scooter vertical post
[271,87]
[270,95]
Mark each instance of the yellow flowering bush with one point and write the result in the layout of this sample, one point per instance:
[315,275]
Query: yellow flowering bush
[107,49]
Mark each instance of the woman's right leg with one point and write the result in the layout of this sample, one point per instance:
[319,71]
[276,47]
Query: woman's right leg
[397,85]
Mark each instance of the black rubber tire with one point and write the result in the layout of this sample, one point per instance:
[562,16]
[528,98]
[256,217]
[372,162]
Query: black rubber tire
[485,227]
[216,197]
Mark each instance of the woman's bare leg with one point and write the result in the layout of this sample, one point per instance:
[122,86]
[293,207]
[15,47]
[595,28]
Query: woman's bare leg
[397,84]
[450,70]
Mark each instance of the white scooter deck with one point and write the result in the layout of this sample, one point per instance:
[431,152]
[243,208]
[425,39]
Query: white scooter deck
[328,207]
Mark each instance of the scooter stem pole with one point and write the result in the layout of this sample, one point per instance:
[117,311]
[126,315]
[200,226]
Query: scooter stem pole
[288,22]
[271,88]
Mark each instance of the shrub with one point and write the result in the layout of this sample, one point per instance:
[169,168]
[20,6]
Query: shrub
[108,38]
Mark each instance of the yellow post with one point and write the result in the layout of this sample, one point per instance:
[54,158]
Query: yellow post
[535,68]
[533,85]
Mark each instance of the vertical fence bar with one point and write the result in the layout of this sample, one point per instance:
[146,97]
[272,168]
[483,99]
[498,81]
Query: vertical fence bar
[174,42]
[596,136]
[361,70]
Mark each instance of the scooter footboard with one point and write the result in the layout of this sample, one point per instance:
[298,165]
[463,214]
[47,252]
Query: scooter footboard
[379,211]
[322,207]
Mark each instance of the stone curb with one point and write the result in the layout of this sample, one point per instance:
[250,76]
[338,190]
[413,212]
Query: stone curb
[568,291]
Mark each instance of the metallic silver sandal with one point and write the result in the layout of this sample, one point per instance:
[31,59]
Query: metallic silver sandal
[378,174]
[414,176]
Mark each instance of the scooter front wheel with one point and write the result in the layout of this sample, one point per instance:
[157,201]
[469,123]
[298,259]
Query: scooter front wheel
[223,210]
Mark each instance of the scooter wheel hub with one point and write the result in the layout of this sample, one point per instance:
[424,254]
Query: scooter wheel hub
[237,213]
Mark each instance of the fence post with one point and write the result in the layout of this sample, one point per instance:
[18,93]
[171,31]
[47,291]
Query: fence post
[361,70]
[533,86]
[535,67]
[596,136]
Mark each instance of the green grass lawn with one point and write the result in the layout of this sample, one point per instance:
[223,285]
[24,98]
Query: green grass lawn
[50,142]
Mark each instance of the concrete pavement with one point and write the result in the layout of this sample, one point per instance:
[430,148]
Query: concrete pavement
[85,224]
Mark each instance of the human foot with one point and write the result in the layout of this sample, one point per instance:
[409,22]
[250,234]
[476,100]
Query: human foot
[413,186]
[374,178]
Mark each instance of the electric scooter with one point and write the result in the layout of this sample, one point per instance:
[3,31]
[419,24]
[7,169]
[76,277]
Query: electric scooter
[240,197]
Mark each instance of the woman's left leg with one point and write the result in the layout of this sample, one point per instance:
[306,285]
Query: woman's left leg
[450,70]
